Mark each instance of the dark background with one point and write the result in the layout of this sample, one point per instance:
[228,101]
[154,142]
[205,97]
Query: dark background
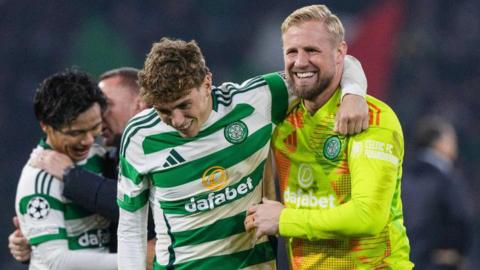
[420,57]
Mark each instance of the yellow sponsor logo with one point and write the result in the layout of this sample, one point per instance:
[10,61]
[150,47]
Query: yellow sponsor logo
[215,178]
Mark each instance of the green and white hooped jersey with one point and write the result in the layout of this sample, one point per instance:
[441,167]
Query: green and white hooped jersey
[200,188]
[45,214]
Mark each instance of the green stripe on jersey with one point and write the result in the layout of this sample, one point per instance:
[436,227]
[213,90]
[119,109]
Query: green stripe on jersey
[135,125]
[211,232]
[225,158]
[95,238]
[279,93]
[53,203]
[159,142]
[71,211]
[259,254]
[209,200]
[62,234]
[94,164]
[225,97]
[130,172]
[132,204]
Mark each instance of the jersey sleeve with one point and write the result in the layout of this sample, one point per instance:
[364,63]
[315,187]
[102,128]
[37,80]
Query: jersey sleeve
[132,198]
[353,80]
[133,186]
[56,256]
[375,158]
[40,207]
[280,95]
[132,239]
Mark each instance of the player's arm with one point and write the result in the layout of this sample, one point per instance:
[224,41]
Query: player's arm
[56,255]
[132,198]
[92,191]
[352,116]
[18,244]
[89,190]
[374,175]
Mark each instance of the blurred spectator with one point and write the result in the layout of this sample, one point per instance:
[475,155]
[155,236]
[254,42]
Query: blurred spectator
[436,206]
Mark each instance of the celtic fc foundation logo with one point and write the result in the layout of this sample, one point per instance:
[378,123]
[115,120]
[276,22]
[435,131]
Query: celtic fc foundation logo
[236,132]
[331,147]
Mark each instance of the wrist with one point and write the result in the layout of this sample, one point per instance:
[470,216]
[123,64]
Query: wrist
[68,170]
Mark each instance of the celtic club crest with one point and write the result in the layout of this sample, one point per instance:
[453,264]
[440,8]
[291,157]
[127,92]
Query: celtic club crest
[331,147]
[236,132]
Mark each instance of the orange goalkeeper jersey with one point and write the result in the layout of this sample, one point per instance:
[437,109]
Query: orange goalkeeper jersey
[342,193]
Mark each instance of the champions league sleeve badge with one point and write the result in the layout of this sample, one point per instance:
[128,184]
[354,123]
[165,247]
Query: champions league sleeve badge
[38,208]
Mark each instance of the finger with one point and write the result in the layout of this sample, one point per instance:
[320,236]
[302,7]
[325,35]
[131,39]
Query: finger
[248,223]
[252,209]
[365,122]
[336,124]
[350,126]
[358,126]
[16,222]
[343,126]
[258,233]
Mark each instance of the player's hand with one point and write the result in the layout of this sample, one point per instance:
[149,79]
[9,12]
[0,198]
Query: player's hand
[352,116]
[264,217]
[18,244]
[50,161]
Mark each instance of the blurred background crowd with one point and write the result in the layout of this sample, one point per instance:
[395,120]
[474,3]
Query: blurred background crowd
[421,57]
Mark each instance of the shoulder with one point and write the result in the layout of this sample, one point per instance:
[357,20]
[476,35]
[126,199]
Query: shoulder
[382,115]
[140,126]
[250,90]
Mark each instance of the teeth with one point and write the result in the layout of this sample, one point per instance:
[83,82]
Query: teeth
[305,74]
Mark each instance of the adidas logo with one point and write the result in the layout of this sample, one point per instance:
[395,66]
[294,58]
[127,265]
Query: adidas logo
[173,158]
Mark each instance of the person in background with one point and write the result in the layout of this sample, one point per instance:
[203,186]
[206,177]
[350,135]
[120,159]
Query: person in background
[341,194]
[68,106]
[437,204]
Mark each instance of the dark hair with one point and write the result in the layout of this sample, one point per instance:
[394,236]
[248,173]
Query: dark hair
[61,97]
[128,76]
[429,129]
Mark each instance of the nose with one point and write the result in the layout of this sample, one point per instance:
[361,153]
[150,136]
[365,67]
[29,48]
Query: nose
[177,118]
[88,139]
[302,59]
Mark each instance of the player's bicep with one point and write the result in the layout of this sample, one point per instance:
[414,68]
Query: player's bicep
[42,218]
[375,159]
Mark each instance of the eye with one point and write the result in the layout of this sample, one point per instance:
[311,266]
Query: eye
[312,50]
[290,52]
[185,106]
[163,112]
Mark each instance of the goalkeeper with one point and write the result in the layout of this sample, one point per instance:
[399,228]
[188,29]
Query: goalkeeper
[342,207]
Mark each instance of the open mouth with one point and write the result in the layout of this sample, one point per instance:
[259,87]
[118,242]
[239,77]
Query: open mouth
[185,127]
[304,75]
[81,153]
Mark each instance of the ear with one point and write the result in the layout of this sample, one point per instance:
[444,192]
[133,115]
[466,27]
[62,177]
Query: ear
[208,82]
[140,105]
[342,49]
[44,127]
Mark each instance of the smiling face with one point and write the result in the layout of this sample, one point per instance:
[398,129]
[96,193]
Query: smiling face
[75,140]
[189,113]
[311,57]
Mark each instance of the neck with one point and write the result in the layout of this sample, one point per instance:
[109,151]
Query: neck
[314,105]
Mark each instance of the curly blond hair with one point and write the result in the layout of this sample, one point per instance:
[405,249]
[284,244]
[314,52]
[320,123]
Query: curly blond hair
[171,70]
